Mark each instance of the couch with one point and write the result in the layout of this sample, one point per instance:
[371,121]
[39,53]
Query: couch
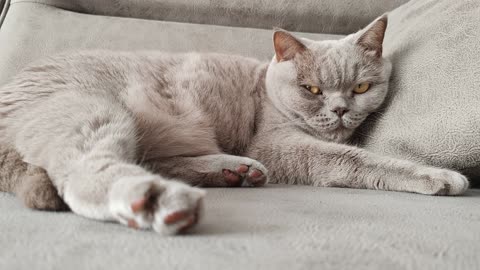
[431,116]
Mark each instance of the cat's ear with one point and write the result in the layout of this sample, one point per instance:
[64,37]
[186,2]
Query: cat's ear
[371,39]
[286,45]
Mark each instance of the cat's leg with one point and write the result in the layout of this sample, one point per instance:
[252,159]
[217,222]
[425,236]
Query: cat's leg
[87,144]
[219,170]
[298,158]
[30,183]
[36,191]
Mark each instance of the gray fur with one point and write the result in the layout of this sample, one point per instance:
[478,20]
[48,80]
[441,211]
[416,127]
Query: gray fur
[111,128]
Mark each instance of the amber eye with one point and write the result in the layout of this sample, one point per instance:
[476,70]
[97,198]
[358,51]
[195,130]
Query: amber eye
[361,88]
[314,89]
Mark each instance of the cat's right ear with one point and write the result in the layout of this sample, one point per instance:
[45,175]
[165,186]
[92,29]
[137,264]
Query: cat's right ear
[286,45]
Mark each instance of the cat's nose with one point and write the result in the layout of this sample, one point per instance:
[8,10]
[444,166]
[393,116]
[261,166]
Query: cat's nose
[340,111]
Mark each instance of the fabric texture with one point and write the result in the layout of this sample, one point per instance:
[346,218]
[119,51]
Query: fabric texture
[316,16]
[431,116]
[432,112]
[276,227]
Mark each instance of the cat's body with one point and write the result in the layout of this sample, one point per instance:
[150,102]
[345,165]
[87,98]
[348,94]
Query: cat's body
[182,104]
[104,125]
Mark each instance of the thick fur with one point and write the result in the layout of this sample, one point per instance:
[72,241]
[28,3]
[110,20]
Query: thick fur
[112,129]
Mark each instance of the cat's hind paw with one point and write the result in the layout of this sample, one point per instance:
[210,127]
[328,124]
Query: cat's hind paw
[150,202]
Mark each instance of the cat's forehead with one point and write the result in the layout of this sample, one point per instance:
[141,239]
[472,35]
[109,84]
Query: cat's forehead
[332,63]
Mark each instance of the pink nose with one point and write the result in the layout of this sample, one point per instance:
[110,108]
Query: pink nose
[340,111]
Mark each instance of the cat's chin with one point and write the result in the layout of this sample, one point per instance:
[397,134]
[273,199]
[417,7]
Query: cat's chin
[340,134]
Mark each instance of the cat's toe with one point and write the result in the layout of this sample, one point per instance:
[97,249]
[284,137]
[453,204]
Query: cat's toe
[242,169]
[183,220]
[256,178]
[168,207]
[180,210]
[453,182]
[256,175]
[253,174]
[231,178]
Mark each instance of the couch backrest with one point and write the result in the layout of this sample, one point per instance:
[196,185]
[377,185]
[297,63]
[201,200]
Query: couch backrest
[315,16]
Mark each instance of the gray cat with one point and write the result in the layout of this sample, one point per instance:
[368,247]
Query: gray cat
[114,131]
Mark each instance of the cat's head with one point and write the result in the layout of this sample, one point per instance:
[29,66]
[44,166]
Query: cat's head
[329,87]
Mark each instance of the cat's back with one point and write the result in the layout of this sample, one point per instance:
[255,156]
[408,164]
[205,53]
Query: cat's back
[86,69]
[99,68]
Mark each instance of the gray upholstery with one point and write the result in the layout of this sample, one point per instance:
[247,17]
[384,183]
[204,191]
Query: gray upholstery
[434,45]
[432,114]
[277,227]
[317,16]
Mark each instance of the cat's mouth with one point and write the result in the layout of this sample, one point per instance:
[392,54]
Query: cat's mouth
[332,125]
[339,125]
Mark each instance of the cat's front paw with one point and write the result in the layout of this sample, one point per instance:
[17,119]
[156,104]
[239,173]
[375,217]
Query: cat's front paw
[442,182]
[241,171]
[151,202]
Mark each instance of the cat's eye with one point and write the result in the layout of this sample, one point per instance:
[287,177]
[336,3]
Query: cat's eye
[361,88]
[313,89]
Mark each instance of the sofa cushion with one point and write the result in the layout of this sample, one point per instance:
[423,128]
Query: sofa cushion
[316,16]
[275,227]
[432,114]
[34,30]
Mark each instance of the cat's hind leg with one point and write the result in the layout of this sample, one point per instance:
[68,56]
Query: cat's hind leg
[217,170]
[36,191]
[87,143]
[30,183]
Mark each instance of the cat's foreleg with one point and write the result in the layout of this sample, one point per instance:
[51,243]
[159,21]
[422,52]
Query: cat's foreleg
[299,158]
[218,170]
[87,144]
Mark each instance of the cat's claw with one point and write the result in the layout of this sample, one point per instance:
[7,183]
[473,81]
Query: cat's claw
[150,202]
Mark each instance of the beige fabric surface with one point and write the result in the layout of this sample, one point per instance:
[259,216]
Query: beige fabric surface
[432,114]
[316,16]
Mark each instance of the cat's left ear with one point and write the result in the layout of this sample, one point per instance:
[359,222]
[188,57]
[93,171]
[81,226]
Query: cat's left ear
[286,45]
[371,39]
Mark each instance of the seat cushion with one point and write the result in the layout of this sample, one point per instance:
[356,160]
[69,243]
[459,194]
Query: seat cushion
[275,227]
[34,30]
[432,114]
[316,16]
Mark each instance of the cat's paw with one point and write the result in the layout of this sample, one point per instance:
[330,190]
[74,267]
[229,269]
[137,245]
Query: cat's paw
[150,202]
[243,171]
[442,182]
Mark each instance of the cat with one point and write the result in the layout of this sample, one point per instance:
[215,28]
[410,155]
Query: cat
[131,136]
